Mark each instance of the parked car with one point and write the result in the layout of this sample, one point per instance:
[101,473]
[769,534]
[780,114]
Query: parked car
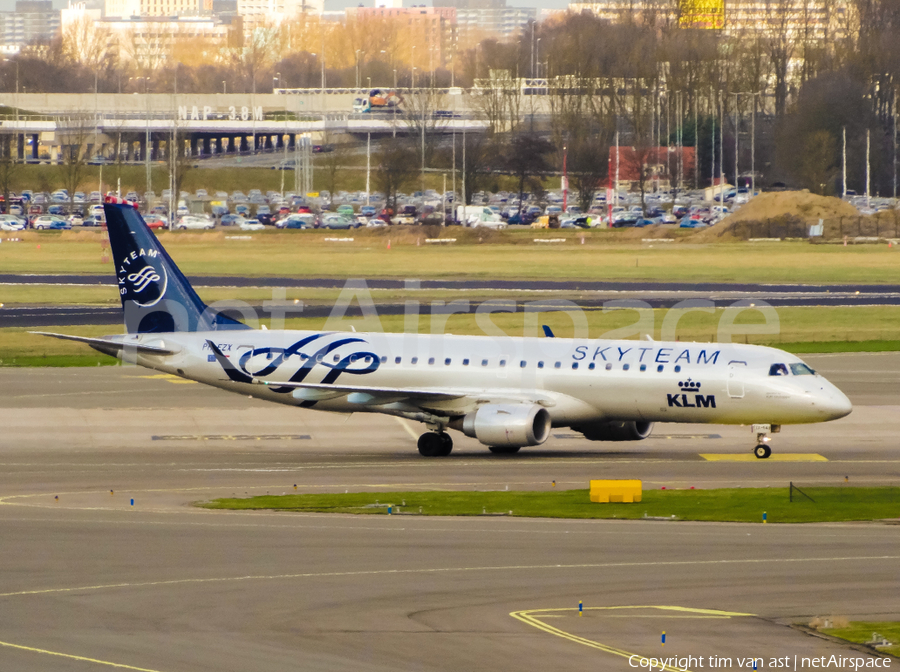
[336,221]
[11,223]
[376,222]
[231,220]
[93,221]
[50,222]
[155,221]
[251,225]
[298,221]
[194,222]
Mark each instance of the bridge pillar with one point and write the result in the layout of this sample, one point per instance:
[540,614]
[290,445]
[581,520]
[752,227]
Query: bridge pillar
[193,143]
[154,148]
[20,146]
[35,142]
[144,148]
[291,142]
[207,145]
[245,146]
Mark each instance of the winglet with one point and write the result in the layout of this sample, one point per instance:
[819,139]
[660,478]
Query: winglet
[225,363]
[548,332]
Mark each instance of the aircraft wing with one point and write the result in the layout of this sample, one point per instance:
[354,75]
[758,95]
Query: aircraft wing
[367,394]
[109,347]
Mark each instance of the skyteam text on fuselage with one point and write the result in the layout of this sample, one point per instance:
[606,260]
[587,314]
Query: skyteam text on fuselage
[505,392]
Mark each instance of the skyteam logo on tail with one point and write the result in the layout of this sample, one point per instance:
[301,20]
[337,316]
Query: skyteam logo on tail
[142,278]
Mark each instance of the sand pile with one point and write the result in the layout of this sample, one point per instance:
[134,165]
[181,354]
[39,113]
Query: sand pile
[802,204]
[778,214]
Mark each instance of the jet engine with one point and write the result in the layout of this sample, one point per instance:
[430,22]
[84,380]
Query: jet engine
[629,430]
[512,425]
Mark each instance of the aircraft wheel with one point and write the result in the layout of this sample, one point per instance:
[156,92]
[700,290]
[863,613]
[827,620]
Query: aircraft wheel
[503,450]
[762,451]
[430,444]
[446,444]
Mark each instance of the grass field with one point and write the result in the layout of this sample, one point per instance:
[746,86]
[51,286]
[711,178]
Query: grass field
[861,633]
[727,504]
[605,256]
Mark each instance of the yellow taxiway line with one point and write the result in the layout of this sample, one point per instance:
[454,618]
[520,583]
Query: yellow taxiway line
[529,616]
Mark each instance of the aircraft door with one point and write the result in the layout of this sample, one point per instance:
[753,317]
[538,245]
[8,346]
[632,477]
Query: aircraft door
[736,371]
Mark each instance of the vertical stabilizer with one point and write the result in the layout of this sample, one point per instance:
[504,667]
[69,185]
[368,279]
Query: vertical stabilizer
[156,297]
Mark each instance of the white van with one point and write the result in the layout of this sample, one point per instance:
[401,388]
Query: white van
[479,216]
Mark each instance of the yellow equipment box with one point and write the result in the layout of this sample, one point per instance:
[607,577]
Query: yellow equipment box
[626,491]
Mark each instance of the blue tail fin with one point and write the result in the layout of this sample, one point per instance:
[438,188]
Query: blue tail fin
[156,297]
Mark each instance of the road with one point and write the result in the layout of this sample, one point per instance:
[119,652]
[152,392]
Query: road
[91,580]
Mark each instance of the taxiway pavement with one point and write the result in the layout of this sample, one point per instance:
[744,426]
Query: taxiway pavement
[90,580]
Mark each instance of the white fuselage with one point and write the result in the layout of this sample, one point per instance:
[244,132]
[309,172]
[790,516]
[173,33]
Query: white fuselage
[578,381]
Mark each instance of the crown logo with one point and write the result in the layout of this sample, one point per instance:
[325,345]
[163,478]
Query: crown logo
[689,386]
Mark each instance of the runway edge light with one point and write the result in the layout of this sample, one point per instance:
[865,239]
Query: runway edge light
[664,638]
[580,607]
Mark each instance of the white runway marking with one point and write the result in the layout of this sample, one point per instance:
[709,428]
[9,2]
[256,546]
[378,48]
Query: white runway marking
[448,570]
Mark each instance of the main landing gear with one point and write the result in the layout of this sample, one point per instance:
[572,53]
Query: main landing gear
[762,450]
[435,444]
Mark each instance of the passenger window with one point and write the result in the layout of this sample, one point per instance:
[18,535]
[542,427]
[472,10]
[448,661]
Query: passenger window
[540,365]
[397,360]
[465,362]
[447,362]
[591,366]
[625,367]
[337,358]
[431,360]
[801,369]
[660,368]
[502,362]
[574,365]
[778,370]
[383,360]
[608,366]
[557,365]
[484,362]
[643,367]
[677,368]
[414,360]
[522,364]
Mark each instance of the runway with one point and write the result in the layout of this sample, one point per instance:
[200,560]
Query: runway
[91,580]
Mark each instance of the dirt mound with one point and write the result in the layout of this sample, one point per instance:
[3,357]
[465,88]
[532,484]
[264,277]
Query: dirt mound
[802,204]
[777,214]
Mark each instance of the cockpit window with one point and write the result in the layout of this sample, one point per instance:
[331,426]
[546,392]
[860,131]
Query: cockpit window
[801,369]
[778,370]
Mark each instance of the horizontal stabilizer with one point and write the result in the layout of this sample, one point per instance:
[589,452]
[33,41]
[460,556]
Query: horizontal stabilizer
[109,347]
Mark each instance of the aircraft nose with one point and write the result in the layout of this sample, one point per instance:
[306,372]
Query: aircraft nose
[835,403]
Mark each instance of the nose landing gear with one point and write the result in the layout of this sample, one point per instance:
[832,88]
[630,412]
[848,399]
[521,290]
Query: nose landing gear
[762,450]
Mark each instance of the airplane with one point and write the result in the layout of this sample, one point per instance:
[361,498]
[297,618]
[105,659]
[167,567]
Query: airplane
[505,392]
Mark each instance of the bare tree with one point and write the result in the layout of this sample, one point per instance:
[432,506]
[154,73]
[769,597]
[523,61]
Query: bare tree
[526,159]
[396,168]
[7,167]
[74,132]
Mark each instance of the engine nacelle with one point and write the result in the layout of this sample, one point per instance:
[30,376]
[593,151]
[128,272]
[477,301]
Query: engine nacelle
[629,430]
[506,425]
